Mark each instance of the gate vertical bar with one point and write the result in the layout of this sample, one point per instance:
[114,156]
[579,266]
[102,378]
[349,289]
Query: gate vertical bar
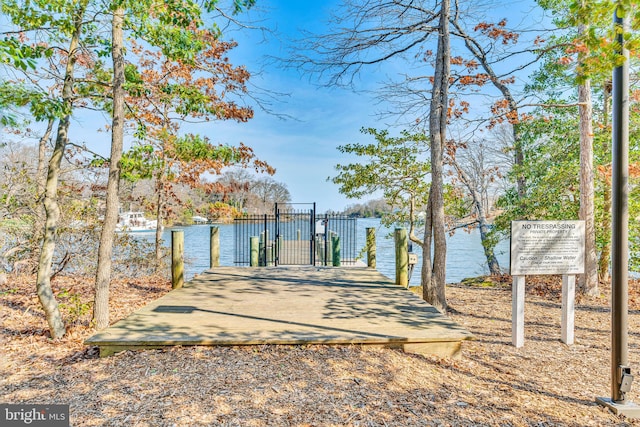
[326,241]
[266,241]
[312,235]
[276,237]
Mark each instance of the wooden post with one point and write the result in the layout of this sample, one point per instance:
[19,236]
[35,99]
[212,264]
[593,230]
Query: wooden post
[262,251]
[335,246]
[402,257]
[177,259]
[268,249]
[214,243]
[371,247]
[568,308]
[517,311]
[254,250]
[320,249]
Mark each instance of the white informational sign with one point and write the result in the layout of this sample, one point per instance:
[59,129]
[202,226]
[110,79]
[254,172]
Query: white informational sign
[547,247]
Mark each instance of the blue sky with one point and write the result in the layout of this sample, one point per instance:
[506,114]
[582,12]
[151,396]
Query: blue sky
[303,149]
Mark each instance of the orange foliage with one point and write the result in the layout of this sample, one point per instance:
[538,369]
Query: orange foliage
[508,80]
[577,47]
[605,172]
[478,79]
[565,60]
[457,112]
[497,31]
[165,93]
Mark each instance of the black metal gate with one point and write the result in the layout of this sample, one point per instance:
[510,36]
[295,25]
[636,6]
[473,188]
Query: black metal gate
[296,237]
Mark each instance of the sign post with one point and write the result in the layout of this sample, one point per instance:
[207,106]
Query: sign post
[568,308]
[517,312]
[546,247]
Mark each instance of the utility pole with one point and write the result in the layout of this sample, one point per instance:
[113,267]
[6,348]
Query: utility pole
[621,377]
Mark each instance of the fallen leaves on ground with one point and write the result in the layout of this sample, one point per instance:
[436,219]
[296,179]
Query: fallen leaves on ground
[545,383]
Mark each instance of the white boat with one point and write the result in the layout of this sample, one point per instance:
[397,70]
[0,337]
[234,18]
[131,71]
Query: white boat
[132,222]
[199,219]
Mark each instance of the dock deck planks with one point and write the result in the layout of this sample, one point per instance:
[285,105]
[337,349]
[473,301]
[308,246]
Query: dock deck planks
[287,305]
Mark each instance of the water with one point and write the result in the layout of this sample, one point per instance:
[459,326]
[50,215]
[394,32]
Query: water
[465,257]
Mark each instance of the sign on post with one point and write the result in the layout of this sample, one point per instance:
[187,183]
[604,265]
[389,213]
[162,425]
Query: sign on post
[546,247]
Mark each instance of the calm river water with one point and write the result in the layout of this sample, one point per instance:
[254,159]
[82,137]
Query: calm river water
[465,257]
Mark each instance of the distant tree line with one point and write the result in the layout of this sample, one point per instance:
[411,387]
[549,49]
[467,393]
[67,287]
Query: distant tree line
[81,200]
[233,193]
[372,209]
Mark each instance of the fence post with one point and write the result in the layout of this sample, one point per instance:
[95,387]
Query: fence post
[214,247]
[254,249]
[371,247]
[177,259]
[402,257]
[335,250]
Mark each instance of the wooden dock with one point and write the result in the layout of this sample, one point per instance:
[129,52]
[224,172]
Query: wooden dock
[287,305]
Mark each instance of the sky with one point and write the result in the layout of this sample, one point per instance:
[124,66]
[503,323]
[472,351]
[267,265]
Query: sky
[303,147]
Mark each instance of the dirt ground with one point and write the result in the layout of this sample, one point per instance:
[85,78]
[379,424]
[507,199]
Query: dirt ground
[545,383]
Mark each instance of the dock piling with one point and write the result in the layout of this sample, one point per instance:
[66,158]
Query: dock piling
[371,247]
[214,251]
[177,259]
[335,250]
[402,257]
[254,248]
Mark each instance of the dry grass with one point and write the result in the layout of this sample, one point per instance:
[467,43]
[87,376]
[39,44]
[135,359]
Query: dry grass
[546,383]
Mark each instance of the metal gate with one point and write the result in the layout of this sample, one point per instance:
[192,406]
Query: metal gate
[296,237]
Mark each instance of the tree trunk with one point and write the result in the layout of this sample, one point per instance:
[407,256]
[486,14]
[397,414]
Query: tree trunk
[483,225]
[479,198]
[50,201]
[41,172]
[492,261]
[40,213]
[52,216]
[103,271]
[160,222]
[434,289]
[428,293]
[588,281]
